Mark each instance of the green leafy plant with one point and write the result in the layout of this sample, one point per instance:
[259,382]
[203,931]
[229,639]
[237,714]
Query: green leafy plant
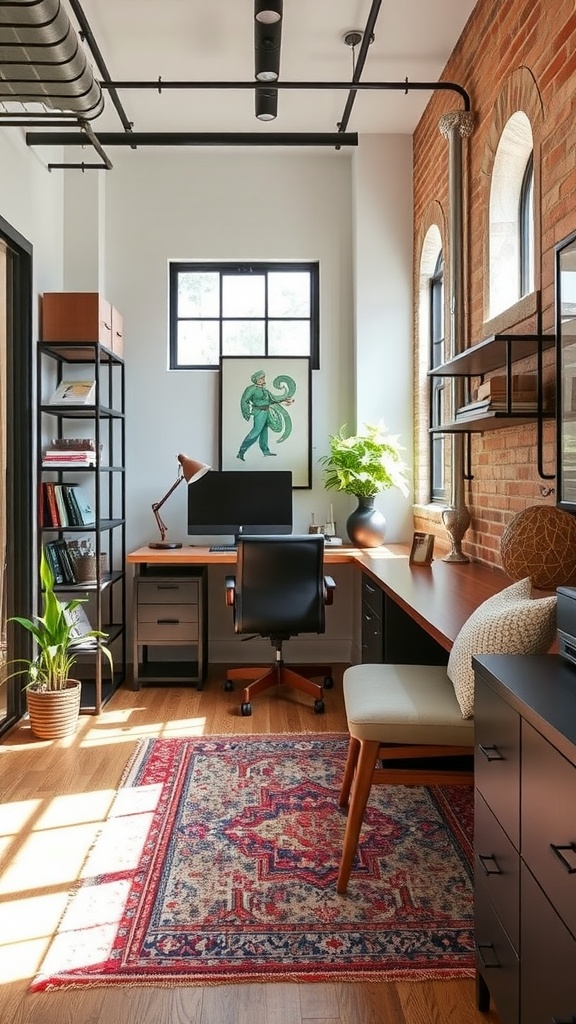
[54,633]
[364,464]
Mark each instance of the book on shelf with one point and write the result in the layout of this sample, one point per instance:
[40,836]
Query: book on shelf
[67,459]
[51,517]
[524,384]
[61,505]
[485,405]
[74,392]
[65,561]
[54,561]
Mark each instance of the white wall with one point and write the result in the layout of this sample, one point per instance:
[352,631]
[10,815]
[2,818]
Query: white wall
[382,219]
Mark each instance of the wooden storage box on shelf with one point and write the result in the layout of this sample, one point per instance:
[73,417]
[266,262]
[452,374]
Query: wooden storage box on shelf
[70,317]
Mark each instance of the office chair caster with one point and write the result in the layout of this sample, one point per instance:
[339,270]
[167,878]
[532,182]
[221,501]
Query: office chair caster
[246,710]
[319,707]
[229,685]
[328,683]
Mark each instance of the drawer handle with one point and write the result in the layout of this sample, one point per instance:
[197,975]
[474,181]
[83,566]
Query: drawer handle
[368,617]
[168,622]
[571,868]
[564,1020]
[491,753]
[372,590]
[485,860]
[492,960]
[167,586]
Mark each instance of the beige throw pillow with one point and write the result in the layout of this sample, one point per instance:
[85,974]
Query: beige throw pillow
[510,622]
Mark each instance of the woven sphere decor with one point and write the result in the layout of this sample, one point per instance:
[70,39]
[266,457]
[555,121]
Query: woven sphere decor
[540,542]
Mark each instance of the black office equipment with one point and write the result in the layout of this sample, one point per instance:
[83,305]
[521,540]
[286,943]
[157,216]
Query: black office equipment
[229,502]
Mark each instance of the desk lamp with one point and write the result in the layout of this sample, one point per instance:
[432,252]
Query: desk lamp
[190,471]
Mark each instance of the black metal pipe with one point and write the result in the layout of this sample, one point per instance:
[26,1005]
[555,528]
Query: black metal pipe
[160,85]
[135,139]
[362,54]
[100,62]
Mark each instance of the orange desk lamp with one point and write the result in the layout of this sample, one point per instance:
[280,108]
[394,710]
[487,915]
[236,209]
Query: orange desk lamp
[190,471]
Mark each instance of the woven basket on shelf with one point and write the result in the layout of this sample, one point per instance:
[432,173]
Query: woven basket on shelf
[85,568]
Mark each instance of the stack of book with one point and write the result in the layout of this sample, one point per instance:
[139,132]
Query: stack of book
[70,453]
[492,396]
[64,505]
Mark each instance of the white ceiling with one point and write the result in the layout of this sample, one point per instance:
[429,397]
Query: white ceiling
[189,40]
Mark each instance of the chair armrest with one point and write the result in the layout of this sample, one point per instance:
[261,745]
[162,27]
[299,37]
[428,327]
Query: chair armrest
[329,587]
[230,590]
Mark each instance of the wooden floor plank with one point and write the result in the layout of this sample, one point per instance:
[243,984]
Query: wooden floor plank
[55,794]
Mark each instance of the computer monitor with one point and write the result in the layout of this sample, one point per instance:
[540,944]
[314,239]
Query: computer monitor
[247,501]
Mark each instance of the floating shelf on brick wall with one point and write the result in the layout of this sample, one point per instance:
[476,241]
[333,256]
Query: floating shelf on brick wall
[500,351]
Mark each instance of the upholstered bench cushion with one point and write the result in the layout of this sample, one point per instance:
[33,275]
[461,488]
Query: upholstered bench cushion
[404,704]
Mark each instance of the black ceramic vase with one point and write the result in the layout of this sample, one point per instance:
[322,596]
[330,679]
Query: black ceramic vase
[366,526]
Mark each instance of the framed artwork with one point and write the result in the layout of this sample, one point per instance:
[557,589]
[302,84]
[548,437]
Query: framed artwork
[422,552]
[265,415]
[566,373]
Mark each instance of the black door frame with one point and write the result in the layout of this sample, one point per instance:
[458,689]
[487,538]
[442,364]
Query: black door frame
[20,506]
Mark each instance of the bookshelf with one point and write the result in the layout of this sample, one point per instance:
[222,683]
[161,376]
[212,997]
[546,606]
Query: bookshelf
[91,542]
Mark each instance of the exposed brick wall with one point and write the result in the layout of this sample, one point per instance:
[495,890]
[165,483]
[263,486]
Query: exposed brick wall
[504,41]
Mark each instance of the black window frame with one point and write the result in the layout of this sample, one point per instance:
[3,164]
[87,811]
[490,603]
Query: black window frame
[249,267]
[437,384]
[526,228]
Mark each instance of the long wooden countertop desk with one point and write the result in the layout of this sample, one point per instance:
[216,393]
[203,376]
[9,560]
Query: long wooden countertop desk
[439,597]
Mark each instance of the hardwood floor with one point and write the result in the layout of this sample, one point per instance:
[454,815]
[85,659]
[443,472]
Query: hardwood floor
[54,796]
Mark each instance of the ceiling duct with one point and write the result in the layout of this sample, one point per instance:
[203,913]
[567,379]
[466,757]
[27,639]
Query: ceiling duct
[42,60]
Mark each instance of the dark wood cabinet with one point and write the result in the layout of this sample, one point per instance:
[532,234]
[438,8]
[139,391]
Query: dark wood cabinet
[525,837]
[372,625]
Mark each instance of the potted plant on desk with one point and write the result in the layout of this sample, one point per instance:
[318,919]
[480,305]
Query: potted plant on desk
[52,697]
[364,465]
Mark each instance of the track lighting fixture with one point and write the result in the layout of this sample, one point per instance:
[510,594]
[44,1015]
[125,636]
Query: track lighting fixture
[267,39]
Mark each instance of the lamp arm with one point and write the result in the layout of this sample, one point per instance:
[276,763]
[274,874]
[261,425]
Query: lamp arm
[157,505]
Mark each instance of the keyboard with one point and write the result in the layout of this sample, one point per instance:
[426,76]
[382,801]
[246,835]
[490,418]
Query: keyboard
[223,547]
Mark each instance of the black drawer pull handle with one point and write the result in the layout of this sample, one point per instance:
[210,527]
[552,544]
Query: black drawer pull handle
[564,1020]
[489,859]
[491,753]
[371,590]
[167,586]
[168,622]
[571,868]
[493,959]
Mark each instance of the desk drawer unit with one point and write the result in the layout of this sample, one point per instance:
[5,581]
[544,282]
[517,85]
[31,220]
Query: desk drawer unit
[169,612]
[372,625]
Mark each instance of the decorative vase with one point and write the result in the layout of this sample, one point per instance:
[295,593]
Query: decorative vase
[54,713]
[366,526]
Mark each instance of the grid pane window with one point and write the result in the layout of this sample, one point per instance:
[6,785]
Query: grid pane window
[437,393]
[242,309]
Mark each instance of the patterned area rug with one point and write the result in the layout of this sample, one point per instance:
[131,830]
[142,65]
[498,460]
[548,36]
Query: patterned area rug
[218,864]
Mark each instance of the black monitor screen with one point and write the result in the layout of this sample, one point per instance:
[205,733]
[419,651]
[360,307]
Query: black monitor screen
[240,502]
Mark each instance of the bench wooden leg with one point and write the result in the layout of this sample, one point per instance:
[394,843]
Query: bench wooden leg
[351,762]
[367,758]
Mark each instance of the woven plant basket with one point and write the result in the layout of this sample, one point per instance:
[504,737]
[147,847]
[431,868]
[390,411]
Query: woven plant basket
[85,568]
[54,713]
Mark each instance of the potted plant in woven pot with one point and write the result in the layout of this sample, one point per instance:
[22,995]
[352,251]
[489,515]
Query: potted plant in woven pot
[52,695]
[364,465]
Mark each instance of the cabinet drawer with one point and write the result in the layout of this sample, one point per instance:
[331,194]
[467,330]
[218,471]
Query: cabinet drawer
[160,613]
[548,984]
[496,961]
[166,631]
[497,868]
[372,637]
[372,596]
[497,757]
[167,592]
[549,821]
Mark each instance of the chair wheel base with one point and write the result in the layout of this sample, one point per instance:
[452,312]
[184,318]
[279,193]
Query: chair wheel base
[246,709]
[319,707]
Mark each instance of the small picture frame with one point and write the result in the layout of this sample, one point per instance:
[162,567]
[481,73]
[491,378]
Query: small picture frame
[422,552]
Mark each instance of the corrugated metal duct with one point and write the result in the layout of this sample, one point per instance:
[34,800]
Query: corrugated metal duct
[42,60]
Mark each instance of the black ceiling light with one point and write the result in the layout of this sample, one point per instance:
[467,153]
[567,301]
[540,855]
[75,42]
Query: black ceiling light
[267,40]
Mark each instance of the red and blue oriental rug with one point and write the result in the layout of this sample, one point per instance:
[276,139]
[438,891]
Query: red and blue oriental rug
[218,864]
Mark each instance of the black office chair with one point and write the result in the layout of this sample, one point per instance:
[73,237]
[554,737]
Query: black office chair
[280,590]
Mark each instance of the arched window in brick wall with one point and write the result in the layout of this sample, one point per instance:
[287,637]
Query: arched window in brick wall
[430,454]
[511,216]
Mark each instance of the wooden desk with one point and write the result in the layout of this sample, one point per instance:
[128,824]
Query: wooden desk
[437,598]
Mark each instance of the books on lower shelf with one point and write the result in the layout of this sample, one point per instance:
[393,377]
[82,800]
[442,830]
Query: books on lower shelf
[67,560]
[64,505]
[523,386]
[518,405]
[74,392]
